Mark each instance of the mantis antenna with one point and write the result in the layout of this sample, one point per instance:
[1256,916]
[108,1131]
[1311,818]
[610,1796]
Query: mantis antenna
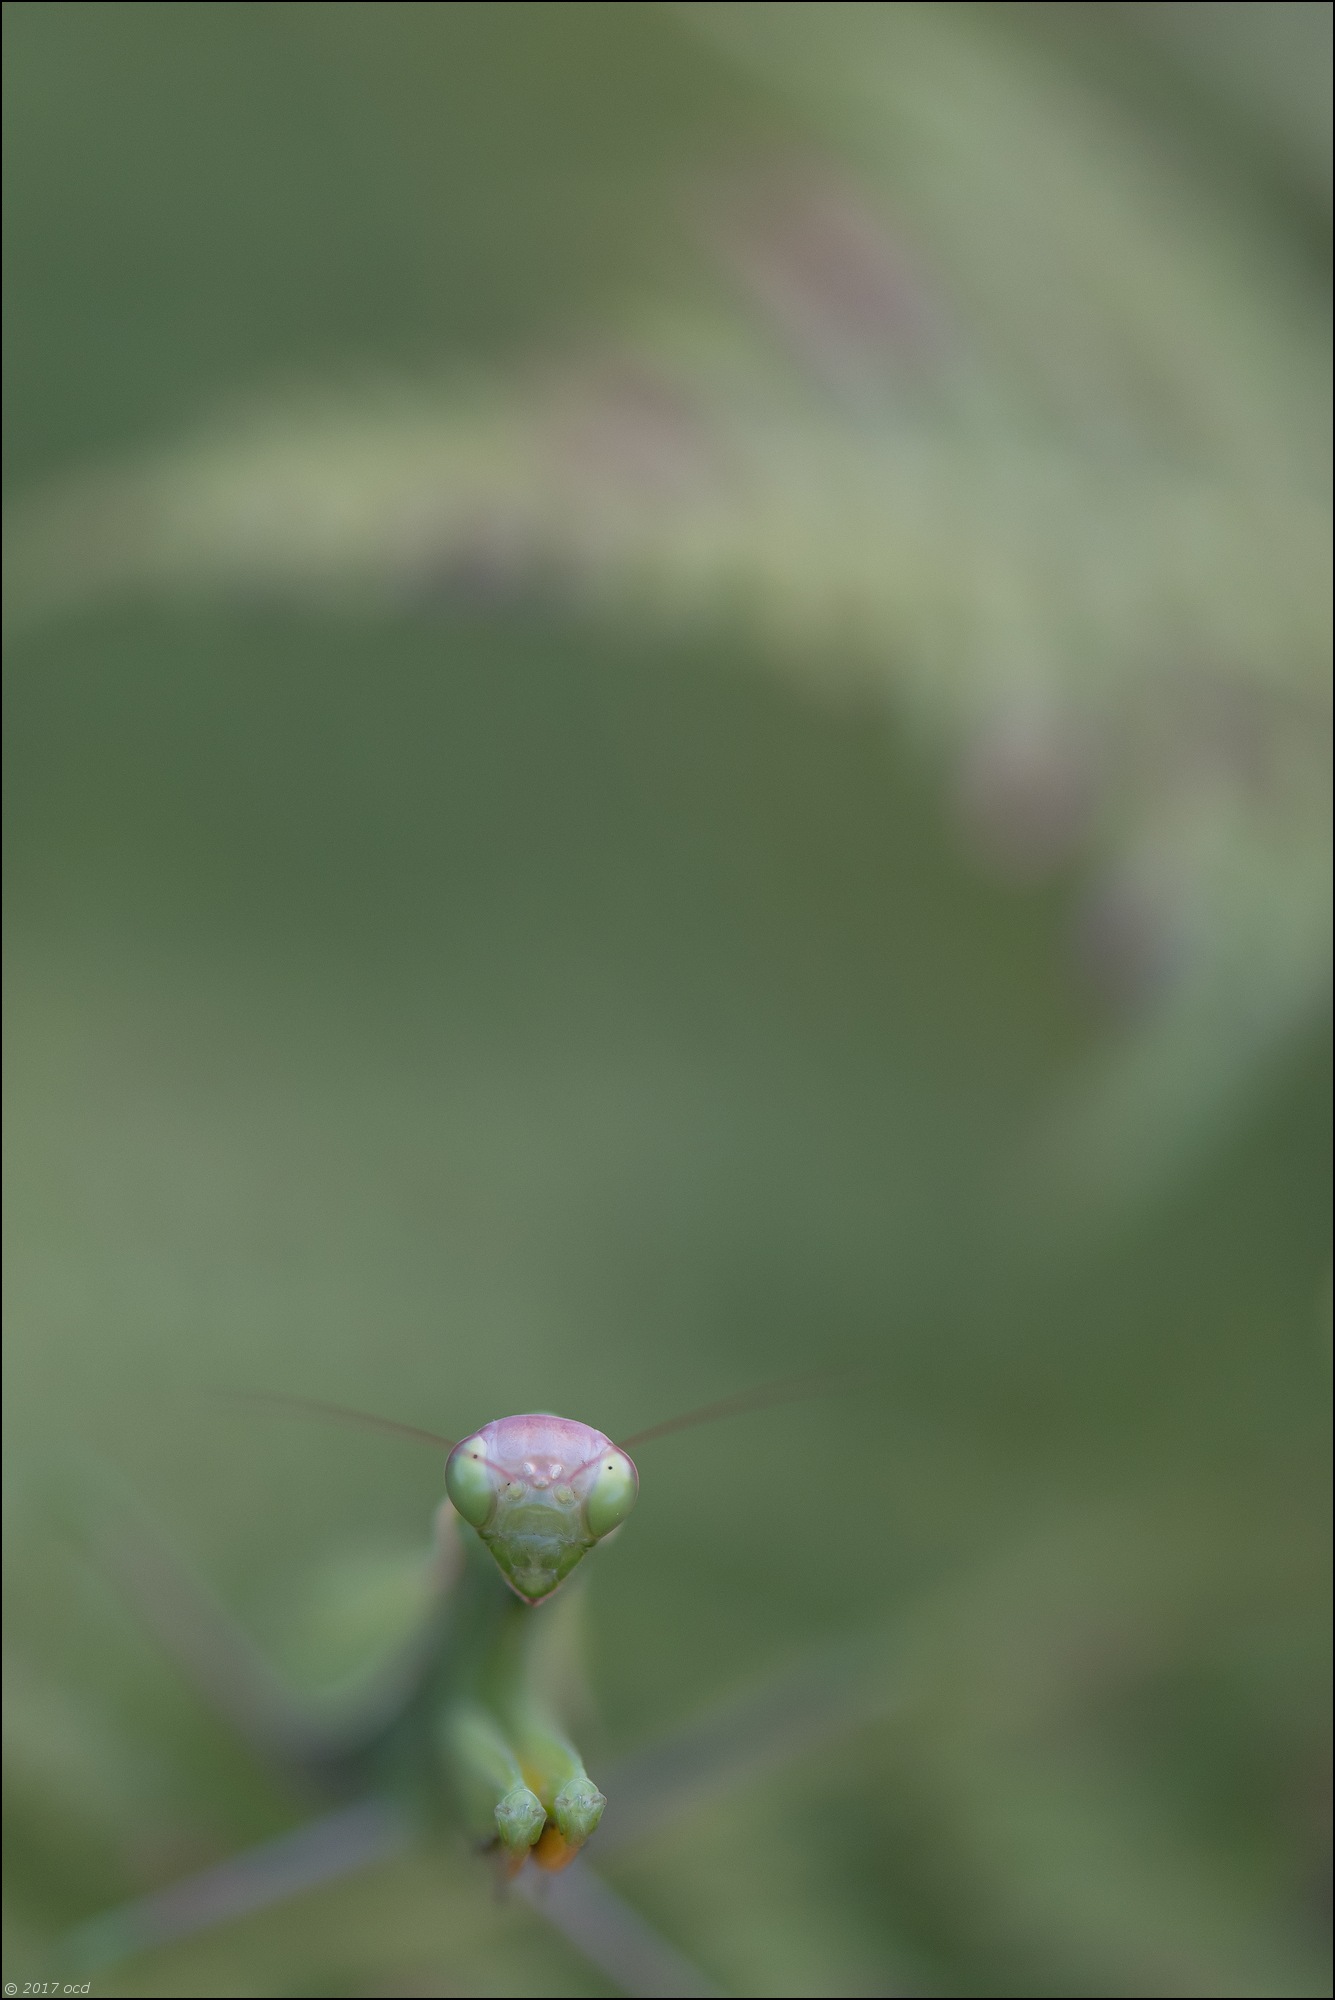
[339,1413]
[796,1389]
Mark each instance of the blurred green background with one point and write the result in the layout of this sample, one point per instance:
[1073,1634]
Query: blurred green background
[475,980]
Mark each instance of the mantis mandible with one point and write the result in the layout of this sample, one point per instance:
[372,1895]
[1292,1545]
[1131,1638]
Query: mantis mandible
[460,1722]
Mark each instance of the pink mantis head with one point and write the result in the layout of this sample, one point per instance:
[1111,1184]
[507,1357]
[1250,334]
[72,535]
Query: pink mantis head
[540,1491]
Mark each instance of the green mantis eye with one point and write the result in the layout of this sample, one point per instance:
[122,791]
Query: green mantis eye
[611,1494]
[470,1483]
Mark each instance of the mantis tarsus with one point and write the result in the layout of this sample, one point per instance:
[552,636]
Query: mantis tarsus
[459,1723]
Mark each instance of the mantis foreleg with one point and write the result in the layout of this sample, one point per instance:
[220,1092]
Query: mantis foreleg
[552,1765]
[517,1775]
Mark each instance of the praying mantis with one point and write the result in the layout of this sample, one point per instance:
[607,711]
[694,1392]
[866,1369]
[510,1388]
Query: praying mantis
[461,1725]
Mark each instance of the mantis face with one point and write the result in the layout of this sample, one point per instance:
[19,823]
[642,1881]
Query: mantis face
[540,1491]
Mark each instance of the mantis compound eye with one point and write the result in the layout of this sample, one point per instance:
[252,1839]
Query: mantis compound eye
[611,1493]
[470,1482]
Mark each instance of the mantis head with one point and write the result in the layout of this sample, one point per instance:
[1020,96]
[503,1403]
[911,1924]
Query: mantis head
[540,1491]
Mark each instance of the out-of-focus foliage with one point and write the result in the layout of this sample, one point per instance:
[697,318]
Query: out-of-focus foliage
[1026,424]
[721,757]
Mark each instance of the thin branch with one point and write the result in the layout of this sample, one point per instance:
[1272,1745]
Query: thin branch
[611,1935]
[831,1692]
[836,1690]
[324,1850]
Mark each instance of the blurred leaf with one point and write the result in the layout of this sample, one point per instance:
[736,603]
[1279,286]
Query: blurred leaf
[1014,416]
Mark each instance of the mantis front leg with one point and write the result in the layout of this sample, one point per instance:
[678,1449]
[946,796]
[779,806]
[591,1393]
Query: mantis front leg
[516,1773]
[493,1793]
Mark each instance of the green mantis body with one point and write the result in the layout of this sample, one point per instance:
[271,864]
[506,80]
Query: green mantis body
[459,1725]
[538,1492]
[461,1722]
